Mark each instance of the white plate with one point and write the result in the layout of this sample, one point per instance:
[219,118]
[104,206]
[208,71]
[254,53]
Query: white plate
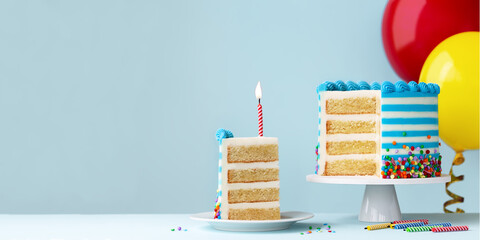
[372,180]
[287,219]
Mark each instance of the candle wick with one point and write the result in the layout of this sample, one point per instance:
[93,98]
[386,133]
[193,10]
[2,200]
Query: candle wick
[259,101]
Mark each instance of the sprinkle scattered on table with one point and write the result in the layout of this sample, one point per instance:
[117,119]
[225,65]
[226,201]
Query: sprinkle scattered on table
[319,229]
[178,229]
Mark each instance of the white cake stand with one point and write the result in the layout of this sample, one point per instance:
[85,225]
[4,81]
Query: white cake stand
[380,203]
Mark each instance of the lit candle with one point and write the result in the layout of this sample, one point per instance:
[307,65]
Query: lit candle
[258,94]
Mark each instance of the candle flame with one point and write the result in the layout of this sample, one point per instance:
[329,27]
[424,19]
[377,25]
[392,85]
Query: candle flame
[258,91]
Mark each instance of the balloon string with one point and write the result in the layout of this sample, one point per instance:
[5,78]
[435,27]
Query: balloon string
[458,160]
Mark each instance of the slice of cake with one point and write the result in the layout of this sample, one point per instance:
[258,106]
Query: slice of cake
[388,130]
[248,178]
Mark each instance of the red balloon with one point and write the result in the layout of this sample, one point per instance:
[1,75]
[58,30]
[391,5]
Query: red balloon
[411,29]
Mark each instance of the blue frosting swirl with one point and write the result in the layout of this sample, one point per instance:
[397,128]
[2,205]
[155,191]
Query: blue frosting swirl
[423,87]
[413,87]
[341,85]
[351,86]
[437,88]
[376,86]
[401,86]
[363,85]
[385,87]
[223,133]
[388,87]
[327,86]
[431,88]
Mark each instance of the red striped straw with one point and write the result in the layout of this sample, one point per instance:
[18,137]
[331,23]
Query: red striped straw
[260,119]
[409,221]
[450,229]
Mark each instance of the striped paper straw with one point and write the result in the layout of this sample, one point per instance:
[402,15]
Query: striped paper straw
[392,226]
[409,221]
[445,224]
[450,229]
[378,226]
[422,228]
[407,225]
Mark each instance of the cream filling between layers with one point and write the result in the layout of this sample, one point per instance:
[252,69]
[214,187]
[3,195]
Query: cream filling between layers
[357,117]
[251,165]
[245,141]
[236,186]
[351,137]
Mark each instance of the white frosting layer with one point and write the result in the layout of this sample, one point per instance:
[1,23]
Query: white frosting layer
[351,137]
[249,141]
[401,140]
[349,94]
[411,100]
[402,151]
[410,114]
[235,186]
[359,117]
[252,165]
[400,127]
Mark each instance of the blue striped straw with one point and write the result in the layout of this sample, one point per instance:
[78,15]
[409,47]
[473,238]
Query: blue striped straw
[406,225]
[445,224]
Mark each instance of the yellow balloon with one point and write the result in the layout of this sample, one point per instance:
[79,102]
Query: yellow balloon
[454,66]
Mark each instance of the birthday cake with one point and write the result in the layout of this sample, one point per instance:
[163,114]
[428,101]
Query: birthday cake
[388,130]
[248,178]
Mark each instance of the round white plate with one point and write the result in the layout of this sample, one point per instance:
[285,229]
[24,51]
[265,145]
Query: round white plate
[287,219]
[372,180]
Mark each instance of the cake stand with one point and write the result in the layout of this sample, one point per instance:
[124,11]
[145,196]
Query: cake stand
[380,203]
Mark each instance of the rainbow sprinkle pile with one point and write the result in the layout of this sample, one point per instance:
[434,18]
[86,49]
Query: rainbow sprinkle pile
[418,164]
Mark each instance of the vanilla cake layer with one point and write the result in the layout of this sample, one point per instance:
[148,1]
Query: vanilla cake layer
[254,214]
[351,105]
[347,127]
[252,153]
[351,147]
[350,167]
[253,195]
[252,175]
[249,179]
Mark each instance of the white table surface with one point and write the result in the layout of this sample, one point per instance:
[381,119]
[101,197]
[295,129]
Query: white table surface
[158,226]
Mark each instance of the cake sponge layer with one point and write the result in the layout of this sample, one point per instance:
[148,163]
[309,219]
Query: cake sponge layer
[252,175]
[353,105]
[253,195]
[254,214]
[351,147]
[350,167]
[347,127]
[252,153]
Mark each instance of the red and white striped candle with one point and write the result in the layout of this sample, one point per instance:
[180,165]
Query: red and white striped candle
[409,221]
[258,94]
[450,229]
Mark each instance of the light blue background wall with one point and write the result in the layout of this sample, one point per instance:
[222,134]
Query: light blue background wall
[112,106]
